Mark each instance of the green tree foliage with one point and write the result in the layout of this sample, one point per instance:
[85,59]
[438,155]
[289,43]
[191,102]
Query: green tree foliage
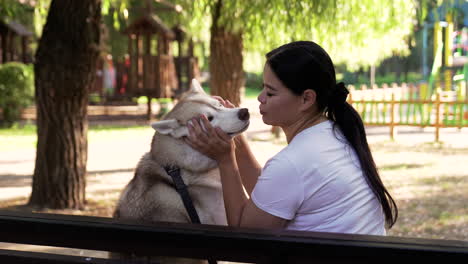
[16,90]
[21,12]
[364,33]
[30,13]
[355,32]
[423,8]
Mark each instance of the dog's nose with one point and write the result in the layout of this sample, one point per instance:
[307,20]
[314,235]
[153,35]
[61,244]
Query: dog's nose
[243,114]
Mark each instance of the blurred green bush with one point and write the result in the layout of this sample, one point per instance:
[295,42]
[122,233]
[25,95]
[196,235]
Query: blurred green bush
[16,91]
[254,80]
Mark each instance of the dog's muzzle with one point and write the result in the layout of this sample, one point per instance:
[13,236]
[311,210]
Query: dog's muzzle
[243,114]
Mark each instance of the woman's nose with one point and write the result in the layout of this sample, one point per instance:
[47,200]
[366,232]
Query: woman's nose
[261,97]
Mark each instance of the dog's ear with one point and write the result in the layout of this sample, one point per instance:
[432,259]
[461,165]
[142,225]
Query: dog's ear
[165,126]
[170,127]
[195,87]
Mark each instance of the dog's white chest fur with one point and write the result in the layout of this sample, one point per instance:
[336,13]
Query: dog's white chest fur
[208,192]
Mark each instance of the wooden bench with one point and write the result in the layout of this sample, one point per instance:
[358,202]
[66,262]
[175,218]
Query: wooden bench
[202,241]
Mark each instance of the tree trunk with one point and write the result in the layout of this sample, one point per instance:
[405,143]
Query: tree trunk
[65,67]
[226,70]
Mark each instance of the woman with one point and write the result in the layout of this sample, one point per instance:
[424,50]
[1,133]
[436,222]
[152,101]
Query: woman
[325,180]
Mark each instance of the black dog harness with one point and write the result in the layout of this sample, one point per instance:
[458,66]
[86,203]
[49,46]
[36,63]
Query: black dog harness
[181,188]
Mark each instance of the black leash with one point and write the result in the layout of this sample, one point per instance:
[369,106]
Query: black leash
[181,188]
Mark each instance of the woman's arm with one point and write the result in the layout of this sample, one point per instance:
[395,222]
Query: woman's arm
[249,168]
[240,210]
[233,191]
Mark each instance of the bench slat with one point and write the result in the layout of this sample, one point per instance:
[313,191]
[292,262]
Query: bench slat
[223,243]
[27,257]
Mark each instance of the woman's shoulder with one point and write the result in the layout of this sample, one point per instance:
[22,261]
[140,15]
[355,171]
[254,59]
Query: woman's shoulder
[296,156]
[315,139]
[317,146]
[322,130]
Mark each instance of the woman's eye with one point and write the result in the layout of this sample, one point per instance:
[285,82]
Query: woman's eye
[210,118]
[269,94]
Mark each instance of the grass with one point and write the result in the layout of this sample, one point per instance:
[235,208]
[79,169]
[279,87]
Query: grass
[144,100]
[429,183]
[250,93]
[18,137]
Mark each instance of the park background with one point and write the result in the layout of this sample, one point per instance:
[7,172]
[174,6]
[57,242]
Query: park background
[91,84]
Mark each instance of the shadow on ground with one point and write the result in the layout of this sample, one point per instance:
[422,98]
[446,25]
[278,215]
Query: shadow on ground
[24,180]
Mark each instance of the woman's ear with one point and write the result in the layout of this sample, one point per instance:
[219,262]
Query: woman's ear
[309,97]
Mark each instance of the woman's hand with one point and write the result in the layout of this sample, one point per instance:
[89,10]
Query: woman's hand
[211,141]
[226,103]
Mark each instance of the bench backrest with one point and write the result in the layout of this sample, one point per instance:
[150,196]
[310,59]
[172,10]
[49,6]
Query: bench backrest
[222,243]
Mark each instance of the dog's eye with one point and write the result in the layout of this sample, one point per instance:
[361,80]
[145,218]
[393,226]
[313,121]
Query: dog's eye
[210,118]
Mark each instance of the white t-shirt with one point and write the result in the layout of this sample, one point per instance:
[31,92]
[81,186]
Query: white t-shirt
[316,182]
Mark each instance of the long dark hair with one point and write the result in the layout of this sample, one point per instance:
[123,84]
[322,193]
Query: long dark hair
[305,65]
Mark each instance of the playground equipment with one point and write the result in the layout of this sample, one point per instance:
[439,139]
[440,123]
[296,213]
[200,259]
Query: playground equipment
[449,73]
[151,69]
[12,36]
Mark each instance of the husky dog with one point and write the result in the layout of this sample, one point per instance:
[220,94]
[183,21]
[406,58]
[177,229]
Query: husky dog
[151,194]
